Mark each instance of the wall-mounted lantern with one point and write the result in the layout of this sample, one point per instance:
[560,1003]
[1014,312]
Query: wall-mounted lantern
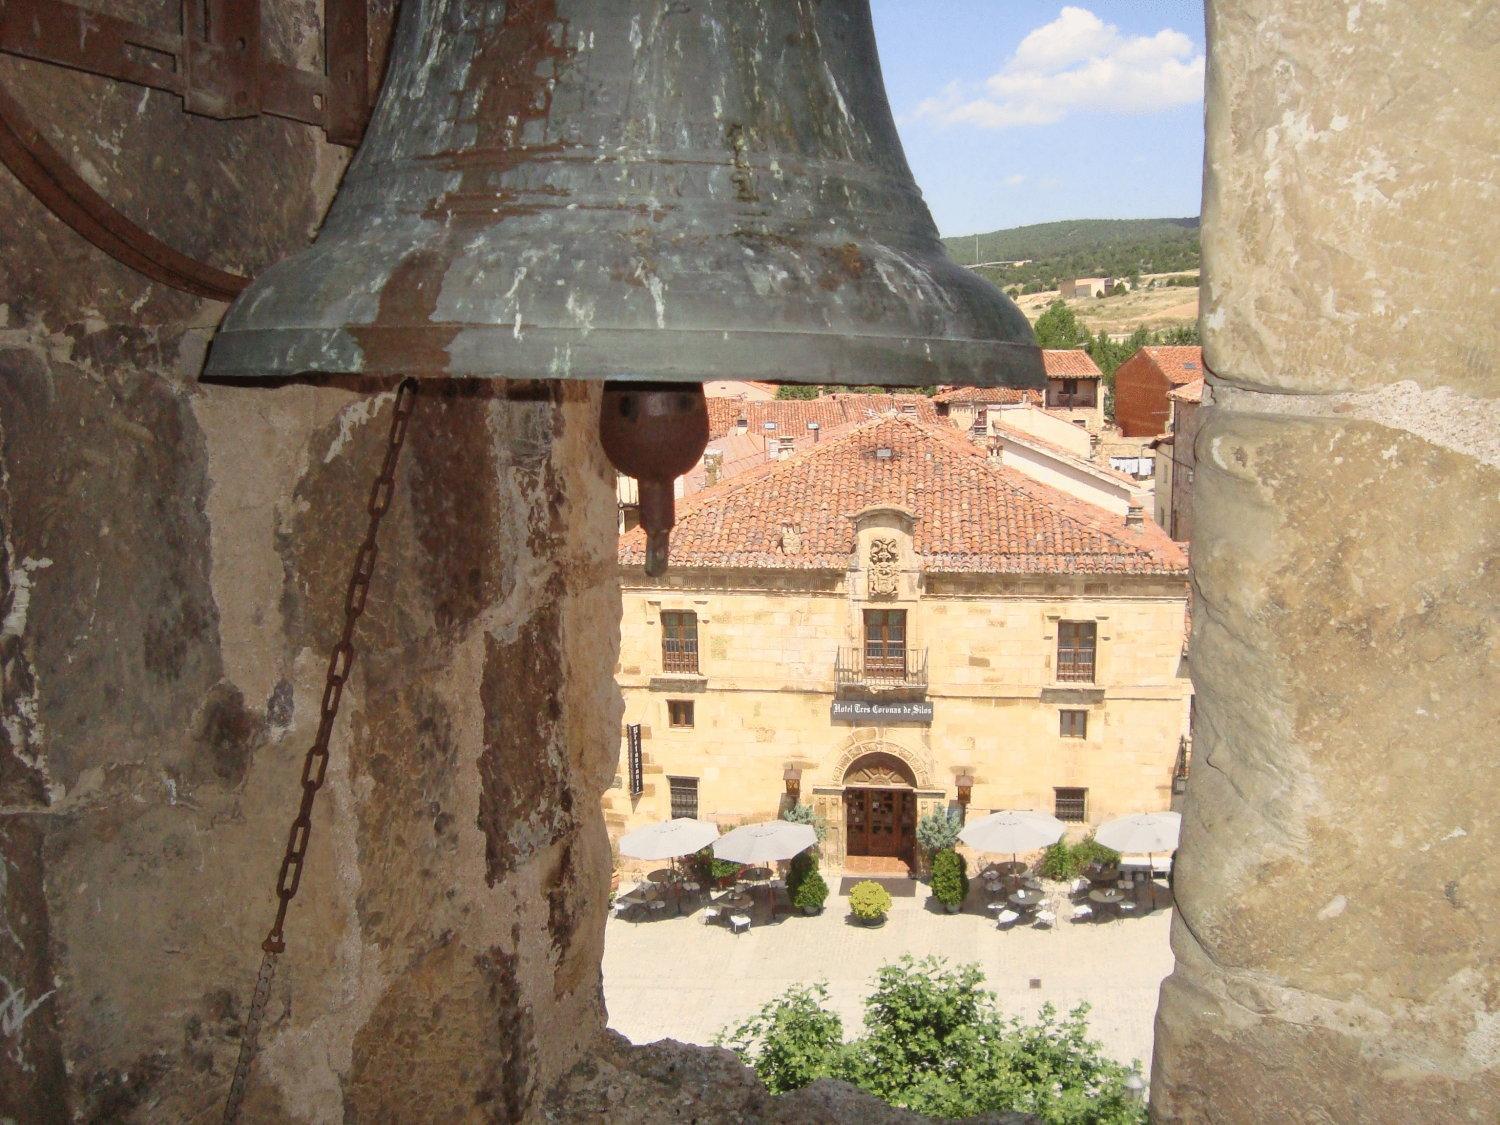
[965,783]
[792,775]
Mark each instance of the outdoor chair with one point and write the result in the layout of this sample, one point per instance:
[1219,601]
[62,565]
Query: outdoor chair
[739,923]
[1007,918]
[622,906]
[1126,907]
[1044,919]
[1083,913]
[1080,886]
[710,914]
[657,904]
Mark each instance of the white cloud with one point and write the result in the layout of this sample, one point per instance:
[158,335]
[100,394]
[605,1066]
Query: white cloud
[1076,63]
[1015,181]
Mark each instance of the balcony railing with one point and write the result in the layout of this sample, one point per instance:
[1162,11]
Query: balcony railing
[682,661]
[905,668]
[1077,668]
[1184,765]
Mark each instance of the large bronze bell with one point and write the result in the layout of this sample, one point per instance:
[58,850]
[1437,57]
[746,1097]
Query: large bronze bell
[661,191]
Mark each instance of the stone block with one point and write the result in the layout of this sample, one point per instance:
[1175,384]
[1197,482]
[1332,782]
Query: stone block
[1349,211]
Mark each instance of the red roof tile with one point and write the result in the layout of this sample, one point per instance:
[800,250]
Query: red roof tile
[972,515]
[990,396]
[1070,363]
[1179,364]
[789,417]
[1188,392]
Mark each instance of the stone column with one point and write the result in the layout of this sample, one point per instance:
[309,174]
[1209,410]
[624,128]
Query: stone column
[1338,952]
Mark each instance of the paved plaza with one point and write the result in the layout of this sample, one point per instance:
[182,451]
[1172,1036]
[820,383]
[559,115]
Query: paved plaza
[670,977]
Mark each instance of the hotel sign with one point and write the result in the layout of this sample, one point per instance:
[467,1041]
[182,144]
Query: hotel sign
[861,711]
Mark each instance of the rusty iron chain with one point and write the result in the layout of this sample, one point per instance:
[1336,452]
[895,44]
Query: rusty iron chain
[315,764]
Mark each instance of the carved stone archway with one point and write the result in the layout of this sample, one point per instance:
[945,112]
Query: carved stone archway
[919,765]
[880,770]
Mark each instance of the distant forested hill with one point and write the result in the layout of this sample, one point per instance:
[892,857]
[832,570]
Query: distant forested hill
[1081,248]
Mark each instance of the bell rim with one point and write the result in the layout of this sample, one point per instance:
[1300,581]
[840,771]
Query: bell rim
[280,355]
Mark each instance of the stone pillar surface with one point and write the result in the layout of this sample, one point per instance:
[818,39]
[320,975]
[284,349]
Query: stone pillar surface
[1338,926]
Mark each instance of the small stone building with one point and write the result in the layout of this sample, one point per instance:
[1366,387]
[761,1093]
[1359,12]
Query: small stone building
[1142,383]
[1174,466]
[890,623]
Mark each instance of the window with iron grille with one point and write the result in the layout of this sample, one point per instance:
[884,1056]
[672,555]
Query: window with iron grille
[1075,651]
[1073,724]
[680,712]
[1070,805]
[684,796]
[679,641]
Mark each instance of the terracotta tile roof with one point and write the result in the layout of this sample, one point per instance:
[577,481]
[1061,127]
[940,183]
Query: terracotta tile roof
[1180,365]
[1070,363]
[789,417]
[972,515]
[1188,392]
[990,396]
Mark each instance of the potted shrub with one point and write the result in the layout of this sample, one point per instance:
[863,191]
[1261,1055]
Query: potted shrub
[803,863]
[937,830]
[723,872]
[870,902]
[950,879]
[811,892]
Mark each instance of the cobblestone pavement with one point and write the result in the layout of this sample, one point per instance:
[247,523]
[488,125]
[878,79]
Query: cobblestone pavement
[671,977]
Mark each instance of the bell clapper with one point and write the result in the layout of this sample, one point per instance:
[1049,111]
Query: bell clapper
[654,432]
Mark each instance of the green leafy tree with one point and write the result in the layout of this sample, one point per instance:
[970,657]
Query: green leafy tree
[1058,327]
[791,1041]
[935,1042]
[950,877]
[938,830]
[798,390]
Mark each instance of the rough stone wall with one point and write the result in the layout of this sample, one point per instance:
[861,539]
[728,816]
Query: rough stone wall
[172,568]
[1338,952]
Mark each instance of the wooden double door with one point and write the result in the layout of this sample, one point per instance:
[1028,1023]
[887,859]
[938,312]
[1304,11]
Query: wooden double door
[880,822]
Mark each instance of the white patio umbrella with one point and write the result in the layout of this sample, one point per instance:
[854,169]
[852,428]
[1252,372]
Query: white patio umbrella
[669,839]
[1141,832]
[766,842]
[1013,831]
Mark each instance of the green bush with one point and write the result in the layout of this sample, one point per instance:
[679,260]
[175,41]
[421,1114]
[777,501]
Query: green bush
[938,830]
[1059,862]
[950,877]
[1064,861]
[803,814]
[869,900]
[803,864]
[812,891]
[936,1043]
[1090,850]
[723,868]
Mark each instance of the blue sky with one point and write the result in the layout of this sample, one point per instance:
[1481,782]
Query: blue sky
[1017,111]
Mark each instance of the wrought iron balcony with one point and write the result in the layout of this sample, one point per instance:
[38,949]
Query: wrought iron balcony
[904,669]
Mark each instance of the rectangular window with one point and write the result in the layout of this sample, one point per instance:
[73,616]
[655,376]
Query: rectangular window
[684,796]
[680,712]
[1070,805]
[679,641]
[1075,651]
[885,642]
[1072,724]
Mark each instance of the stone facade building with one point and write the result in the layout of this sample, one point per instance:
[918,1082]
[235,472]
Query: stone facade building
[888,623]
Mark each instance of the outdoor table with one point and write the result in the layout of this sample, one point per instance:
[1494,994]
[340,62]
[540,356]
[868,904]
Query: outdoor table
[1107,896]
[1014,867]
[662,875]
[1027,898]
[1103,874]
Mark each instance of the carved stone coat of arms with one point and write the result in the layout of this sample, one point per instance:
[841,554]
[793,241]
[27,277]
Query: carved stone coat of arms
[885,575]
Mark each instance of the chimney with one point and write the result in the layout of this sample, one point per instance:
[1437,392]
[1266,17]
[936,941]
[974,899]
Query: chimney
[713,465]
[994,447]
[817,431]
[1094,447]
[742,425]
[1134,516]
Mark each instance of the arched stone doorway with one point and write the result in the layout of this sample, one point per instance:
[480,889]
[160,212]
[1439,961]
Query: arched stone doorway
[880,807]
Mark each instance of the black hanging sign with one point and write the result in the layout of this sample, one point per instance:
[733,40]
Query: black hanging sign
[633,756]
